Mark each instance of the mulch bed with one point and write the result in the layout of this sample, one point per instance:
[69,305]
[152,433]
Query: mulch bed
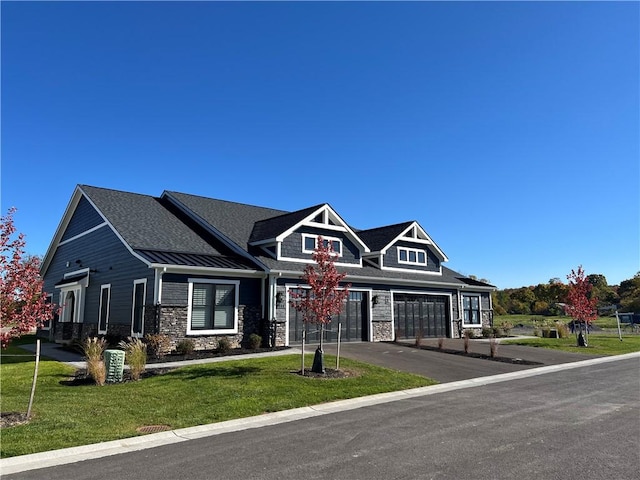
[81,378]
[199,354]
[12,419]
[329,373]
[517,361]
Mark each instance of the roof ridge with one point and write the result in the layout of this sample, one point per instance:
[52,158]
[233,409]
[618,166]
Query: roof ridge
[115,190]
[388,226]
[313,207]
[284,212]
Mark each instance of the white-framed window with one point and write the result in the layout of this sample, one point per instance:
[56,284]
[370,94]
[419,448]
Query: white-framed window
[137,308]
[213,306]
[471,309]
[103,313]
[414,256]
[310,242]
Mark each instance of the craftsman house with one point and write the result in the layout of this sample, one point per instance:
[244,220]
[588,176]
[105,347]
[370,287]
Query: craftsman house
[125,264]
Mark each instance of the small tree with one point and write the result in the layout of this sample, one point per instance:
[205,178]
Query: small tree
[325,298]
[23,304]
[580,307]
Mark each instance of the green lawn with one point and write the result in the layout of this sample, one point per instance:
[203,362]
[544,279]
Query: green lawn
[533,320]
[598,344]
[66,416]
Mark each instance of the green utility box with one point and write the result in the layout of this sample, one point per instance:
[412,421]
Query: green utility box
[114,364]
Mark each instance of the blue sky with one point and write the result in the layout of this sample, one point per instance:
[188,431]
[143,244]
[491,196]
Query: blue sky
[509,131]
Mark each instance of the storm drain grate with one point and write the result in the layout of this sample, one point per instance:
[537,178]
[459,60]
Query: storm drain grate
[153,428]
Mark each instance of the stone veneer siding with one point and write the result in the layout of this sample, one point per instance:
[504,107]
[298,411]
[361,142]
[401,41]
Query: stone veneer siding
[381,314]
[173,322]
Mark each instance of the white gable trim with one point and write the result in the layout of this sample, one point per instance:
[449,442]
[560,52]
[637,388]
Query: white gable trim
[86,232]
[328,213]
[422,237]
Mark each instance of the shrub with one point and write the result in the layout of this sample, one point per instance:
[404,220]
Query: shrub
[185,346]
[496,332]
[93,349]
[158,344]
[469,333]
[135,355]
[255,341]
[488,332]
[113,340]
[224,345]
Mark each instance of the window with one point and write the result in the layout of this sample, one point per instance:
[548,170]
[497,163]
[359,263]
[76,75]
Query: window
[213,307]
[103,314]
[309,243]
[412,255]
[471,309]
[137,311]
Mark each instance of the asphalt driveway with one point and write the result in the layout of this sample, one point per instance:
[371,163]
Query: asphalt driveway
[445,367]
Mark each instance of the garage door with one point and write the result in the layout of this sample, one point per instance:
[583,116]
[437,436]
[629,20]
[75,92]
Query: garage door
[353,318]
[428,314]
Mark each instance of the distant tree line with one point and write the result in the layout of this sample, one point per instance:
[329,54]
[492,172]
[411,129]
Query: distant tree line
[549,298]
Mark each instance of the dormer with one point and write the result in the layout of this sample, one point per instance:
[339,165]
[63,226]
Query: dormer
[292,237]
[403,247]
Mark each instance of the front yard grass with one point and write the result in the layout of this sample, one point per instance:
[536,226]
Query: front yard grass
[599,344]
[537,320]
[66,416]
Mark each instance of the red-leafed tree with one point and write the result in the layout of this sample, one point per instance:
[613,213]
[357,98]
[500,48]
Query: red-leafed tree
[325,297]
[23,304]
[579,306]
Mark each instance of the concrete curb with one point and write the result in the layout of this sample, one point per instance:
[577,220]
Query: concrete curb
[86,452]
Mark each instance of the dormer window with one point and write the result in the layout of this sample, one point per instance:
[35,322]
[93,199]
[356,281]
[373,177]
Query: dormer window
[310,242]
[412,256]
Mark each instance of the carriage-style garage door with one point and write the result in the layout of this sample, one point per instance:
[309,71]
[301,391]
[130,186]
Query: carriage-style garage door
[354,321]
[428,314]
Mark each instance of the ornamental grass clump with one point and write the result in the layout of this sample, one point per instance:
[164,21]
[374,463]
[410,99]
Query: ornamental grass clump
[135,355]
[93,348]
[493,347]
[418,338]
[563,329]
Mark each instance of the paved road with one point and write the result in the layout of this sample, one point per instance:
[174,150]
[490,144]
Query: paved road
[582,423]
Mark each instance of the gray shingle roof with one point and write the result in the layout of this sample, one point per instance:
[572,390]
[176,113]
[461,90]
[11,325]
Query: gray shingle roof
[272,227]
[156,232]
[378,238]
[144,223]
[234,220]
[448,277]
